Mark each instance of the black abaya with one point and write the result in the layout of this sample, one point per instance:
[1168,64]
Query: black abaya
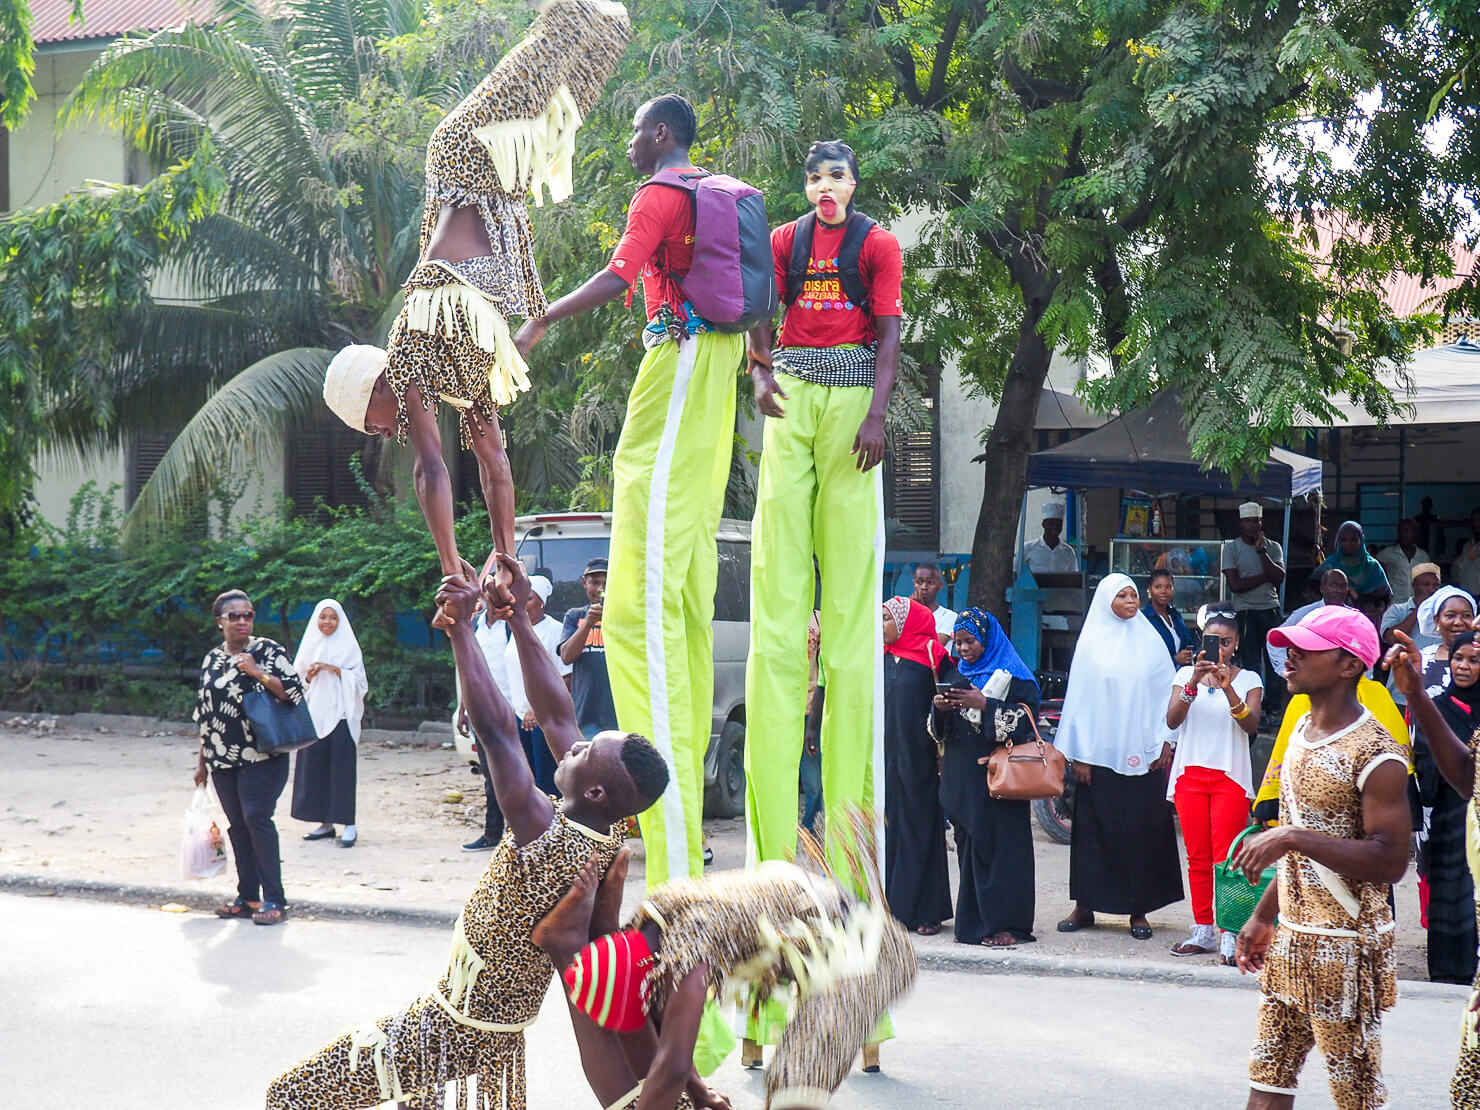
[994,838]
[1123,845]
[916,879]
[324,779]
[1451,934]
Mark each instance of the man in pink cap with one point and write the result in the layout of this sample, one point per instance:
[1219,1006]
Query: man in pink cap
[1321,938]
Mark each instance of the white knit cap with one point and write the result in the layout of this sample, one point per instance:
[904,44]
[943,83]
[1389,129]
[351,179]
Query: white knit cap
[1054,510]
[349,381]
[541,586]
[1250,510]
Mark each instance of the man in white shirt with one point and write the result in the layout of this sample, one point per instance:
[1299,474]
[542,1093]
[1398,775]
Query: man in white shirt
[1050,555]
[550,632]
[928,585]
[1399,560]
[1465,570]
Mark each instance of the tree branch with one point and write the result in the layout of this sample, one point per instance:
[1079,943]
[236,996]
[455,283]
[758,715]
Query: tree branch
[935,91]
[1036,92]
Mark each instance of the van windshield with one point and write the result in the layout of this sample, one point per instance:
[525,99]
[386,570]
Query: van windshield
[563,559]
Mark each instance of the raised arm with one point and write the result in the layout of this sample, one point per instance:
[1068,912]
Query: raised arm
[543,683]
[527,811]
[429,475]
[1455,760]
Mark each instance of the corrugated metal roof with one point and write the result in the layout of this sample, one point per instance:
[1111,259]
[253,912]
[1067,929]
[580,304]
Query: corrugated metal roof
[1406,294]
[106,19]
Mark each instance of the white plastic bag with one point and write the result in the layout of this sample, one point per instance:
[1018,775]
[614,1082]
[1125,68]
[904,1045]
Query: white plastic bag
[202,847]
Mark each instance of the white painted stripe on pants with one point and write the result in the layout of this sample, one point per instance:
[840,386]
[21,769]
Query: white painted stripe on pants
[877,801]
[655,574]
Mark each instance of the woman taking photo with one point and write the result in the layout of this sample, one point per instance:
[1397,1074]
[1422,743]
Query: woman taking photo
[247,782]
[994,837]
[1123,847]
[916,880]
[333,671]
[1215,713]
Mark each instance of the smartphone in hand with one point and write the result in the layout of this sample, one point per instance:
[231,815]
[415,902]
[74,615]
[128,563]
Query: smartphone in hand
[1212,647]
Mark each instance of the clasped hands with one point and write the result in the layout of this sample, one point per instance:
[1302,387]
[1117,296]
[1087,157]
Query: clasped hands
[495,593]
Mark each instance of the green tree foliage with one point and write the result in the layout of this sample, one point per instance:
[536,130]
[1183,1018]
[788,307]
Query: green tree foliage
[76,598]
[74,292]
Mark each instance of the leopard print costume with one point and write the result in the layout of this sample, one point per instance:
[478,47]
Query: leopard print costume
[754,929]
[1330,971]
[511,137]
[472,1023]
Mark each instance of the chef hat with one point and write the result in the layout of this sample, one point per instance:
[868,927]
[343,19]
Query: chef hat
[1054,510]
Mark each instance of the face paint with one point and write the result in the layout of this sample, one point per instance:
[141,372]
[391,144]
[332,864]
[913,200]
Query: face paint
[830,187]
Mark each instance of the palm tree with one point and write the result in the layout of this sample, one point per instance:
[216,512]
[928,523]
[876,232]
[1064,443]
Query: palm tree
[319,131]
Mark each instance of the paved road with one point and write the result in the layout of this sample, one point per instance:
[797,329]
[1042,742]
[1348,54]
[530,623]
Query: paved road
[123,1007]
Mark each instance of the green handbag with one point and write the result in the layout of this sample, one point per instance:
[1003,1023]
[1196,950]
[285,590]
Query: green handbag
[1234,897]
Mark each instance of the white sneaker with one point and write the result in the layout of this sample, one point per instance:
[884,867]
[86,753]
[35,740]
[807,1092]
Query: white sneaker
[1226,946]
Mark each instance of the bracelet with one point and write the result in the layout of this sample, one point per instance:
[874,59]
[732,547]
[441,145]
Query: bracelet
[1240,711]
[1186,696]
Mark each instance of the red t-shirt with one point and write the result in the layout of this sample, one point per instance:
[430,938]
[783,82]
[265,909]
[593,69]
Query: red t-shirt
[658,243]
[822,315]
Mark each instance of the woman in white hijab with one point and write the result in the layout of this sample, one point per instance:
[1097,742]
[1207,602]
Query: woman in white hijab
[1123,846]
[333,672]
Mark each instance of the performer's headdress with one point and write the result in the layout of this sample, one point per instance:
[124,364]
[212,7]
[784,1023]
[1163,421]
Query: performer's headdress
[349,381]
[605,980]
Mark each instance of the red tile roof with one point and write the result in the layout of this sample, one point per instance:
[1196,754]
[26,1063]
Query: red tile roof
[1406,294]
[106,19]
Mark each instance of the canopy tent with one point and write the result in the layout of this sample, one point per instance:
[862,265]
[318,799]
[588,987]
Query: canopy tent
[1445,388]
[1147,450]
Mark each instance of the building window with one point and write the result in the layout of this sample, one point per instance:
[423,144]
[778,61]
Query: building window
[911,480]
[145,450]
[318,469]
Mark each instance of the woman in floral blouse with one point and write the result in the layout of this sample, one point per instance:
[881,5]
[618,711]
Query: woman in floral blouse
[247,782]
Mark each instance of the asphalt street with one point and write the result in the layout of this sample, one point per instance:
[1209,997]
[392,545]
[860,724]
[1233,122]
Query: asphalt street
[123,1007]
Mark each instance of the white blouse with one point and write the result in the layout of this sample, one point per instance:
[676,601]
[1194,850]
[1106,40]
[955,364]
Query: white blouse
[1210,737]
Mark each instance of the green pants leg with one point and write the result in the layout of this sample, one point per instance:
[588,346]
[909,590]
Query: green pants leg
[670,471]
[812,499]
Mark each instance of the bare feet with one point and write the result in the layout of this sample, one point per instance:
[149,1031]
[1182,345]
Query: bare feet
[566,929]
[606,913]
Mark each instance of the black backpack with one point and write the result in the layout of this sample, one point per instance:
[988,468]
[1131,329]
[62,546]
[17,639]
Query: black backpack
[857,229]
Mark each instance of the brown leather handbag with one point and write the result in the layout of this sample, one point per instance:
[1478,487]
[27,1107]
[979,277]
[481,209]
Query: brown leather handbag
[1025,771]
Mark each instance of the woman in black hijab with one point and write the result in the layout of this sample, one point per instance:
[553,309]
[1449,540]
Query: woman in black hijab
[1451,908]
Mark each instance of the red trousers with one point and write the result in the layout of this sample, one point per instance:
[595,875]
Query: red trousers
[1213,809]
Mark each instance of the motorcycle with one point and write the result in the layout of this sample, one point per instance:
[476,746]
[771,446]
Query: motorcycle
[1053,814]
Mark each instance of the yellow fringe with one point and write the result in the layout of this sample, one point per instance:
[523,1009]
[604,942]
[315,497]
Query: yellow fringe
[435,311]
[536,154]
[1469,1039]
[463,968]
[1472,838]
[374,1041]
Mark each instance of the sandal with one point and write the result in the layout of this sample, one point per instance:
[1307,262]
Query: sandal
[1073,924]
[238,908]
[928,930]
[1005,939]
[270,914]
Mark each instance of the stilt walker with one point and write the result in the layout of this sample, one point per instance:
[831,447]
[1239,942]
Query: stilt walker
[820,494]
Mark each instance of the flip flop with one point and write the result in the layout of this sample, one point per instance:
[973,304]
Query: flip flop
[238,909]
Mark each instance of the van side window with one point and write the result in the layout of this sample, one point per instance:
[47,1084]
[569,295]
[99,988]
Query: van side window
[732,591]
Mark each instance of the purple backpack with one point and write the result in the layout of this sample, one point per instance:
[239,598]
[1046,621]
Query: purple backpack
[732,279]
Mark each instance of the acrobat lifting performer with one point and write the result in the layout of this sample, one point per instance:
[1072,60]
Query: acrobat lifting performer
[787,934]
[512,137]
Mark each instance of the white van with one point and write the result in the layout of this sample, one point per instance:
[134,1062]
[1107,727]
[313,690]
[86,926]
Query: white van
[560,544]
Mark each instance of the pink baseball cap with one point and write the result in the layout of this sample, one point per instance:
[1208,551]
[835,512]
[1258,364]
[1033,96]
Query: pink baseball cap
[1331,626]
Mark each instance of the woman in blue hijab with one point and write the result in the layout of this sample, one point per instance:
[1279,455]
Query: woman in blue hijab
[994,698]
